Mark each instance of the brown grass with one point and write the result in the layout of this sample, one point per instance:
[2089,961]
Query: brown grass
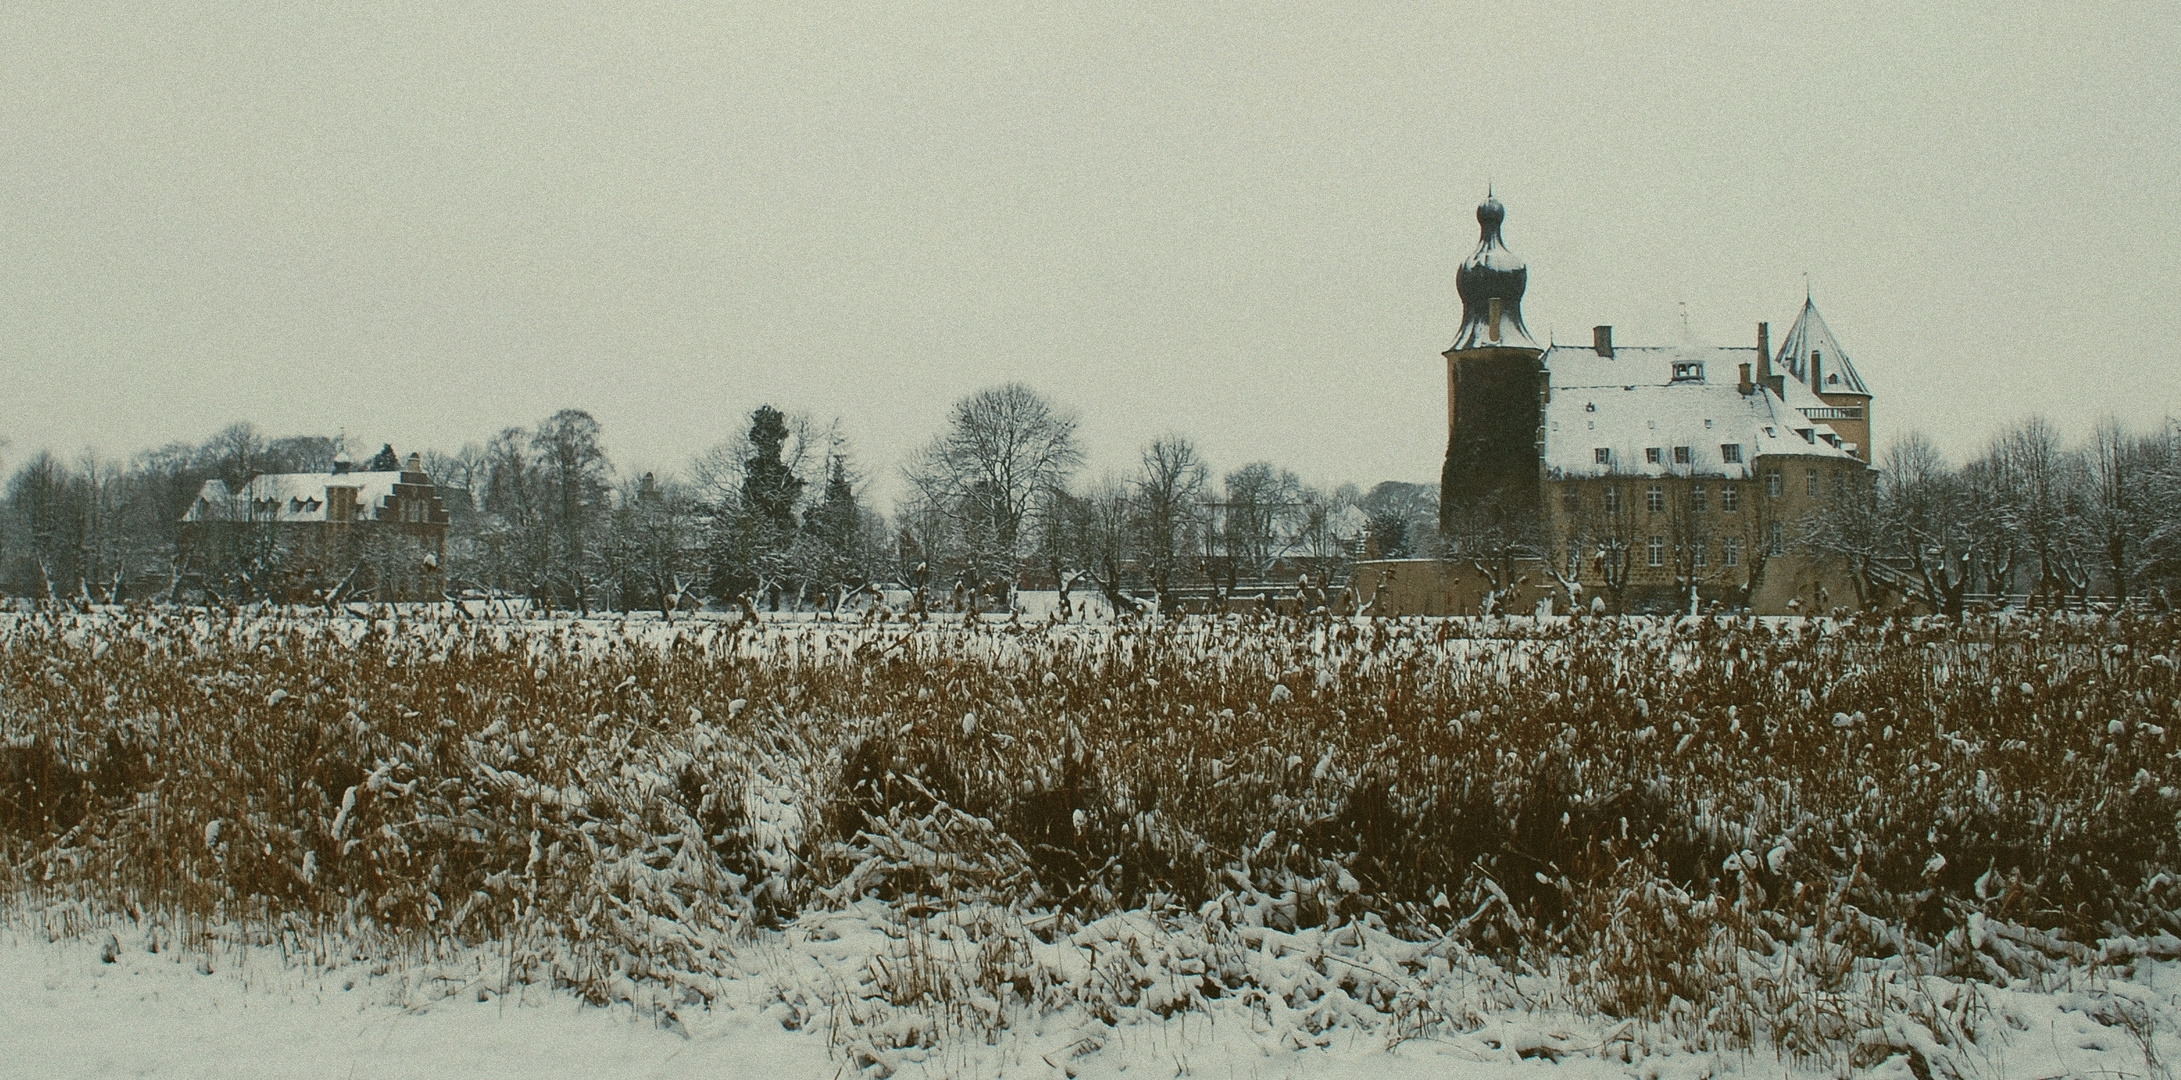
[1617,800]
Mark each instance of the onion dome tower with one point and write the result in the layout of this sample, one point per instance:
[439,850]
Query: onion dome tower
[1488,489]
[1491,282]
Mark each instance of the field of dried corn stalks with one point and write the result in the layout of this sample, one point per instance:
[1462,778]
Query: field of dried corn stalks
[1829,842]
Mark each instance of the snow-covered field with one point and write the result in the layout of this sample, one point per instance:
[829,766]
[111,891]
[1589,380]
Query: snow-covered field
[1214,847]
[116,998]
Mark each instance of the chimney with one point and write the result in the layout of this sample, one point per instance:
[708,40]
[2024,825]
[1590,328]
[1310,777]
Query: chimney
[1778,383]
[1495,320]
[1601,340]
[1745,386]
[1764,353]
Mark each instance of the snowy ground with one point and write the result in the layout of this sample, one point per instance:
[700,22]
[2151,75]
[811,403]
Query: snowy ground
[66,1010]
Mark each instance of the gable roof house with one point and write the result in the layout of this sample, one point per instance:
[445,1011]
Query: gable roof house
[378,533]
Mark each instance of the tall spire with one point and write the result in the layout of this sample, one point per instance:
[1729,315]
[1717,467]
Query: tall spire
[1810,338]
[1491,283]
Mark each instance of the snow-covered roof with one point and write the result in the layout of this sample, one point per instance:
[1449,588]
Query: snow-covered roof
[1810,335]
[1663,398]
[289,496]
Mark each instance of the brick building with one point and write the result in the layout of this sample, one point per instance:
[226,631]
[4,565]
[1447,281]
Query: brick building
[377,533]
[1648,478]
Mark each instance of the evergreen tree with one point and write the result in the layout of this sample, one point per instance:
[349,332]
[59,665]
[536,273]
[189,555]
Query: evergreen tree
[770,488]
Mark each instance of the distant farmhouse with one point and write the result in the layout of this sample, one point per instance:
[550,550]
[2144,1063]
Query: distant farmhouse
[1644,478]
[375,533]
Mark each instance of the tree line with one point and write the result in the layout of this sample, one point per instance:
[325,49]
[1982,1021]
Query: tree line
[2032,516]
[1000,499]
[774,517]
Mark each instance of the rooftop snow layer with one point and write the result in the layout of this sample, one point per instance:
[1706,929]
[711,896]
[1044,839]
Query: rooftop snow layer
[1631,402]
[289,496]
[1811,335]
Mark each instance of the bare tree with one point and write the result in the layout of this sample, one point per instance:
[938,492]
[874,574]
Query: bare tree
[655,545]
[1852,526]
[2120,467]
[1169,485]
[2032,480]
[1501,542]
[1002,450]
[1259,501]
[1930,512]
[577,486]
[517,537]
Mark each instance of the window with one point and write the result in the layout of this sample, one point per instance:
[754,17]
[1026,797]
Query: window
[1699,556]
[1731,453]
[1575,560]
[1652,455]
[1698,500]
[1813,483]
[1612,500]
[1654,499]
[1772,483]
[1682,455]
[1657,551]
[1602,456]
[1730,498]
[1570,500]
[1774,539]
[1730,551]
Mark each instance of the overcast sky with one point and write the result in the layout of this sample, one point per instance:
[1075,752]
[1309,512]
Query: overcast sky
[421,223]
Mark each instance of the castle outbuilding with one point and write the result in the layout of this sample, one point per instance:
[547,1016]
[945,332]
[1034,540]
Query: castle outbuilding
[1639,478]
[377,533]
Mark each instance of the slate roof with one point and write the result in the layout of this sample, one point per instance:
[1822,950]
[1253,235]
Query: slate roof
[1811,335]
[1633,401]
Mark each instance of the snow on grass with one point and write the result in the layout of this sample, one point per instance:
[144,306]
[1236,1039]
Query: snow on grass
[90,997]
[1254,846]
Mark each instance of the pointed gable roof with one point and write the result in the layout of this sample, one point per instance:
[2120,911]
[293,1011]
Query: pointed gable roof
[1811,335]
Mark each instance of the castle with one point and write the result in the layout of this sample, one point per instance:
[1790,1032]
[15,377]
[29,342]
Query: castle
[1639,478]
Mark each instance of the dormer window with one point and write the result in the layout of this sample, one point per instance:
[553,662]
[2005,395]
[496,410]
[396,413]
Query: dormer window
[1808,435]
[1602,455]
[1682,455]
[1689,371]
[1652,455]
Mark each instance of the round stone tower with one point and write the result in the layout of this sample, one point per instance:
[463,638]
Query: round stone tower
[1488,489]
